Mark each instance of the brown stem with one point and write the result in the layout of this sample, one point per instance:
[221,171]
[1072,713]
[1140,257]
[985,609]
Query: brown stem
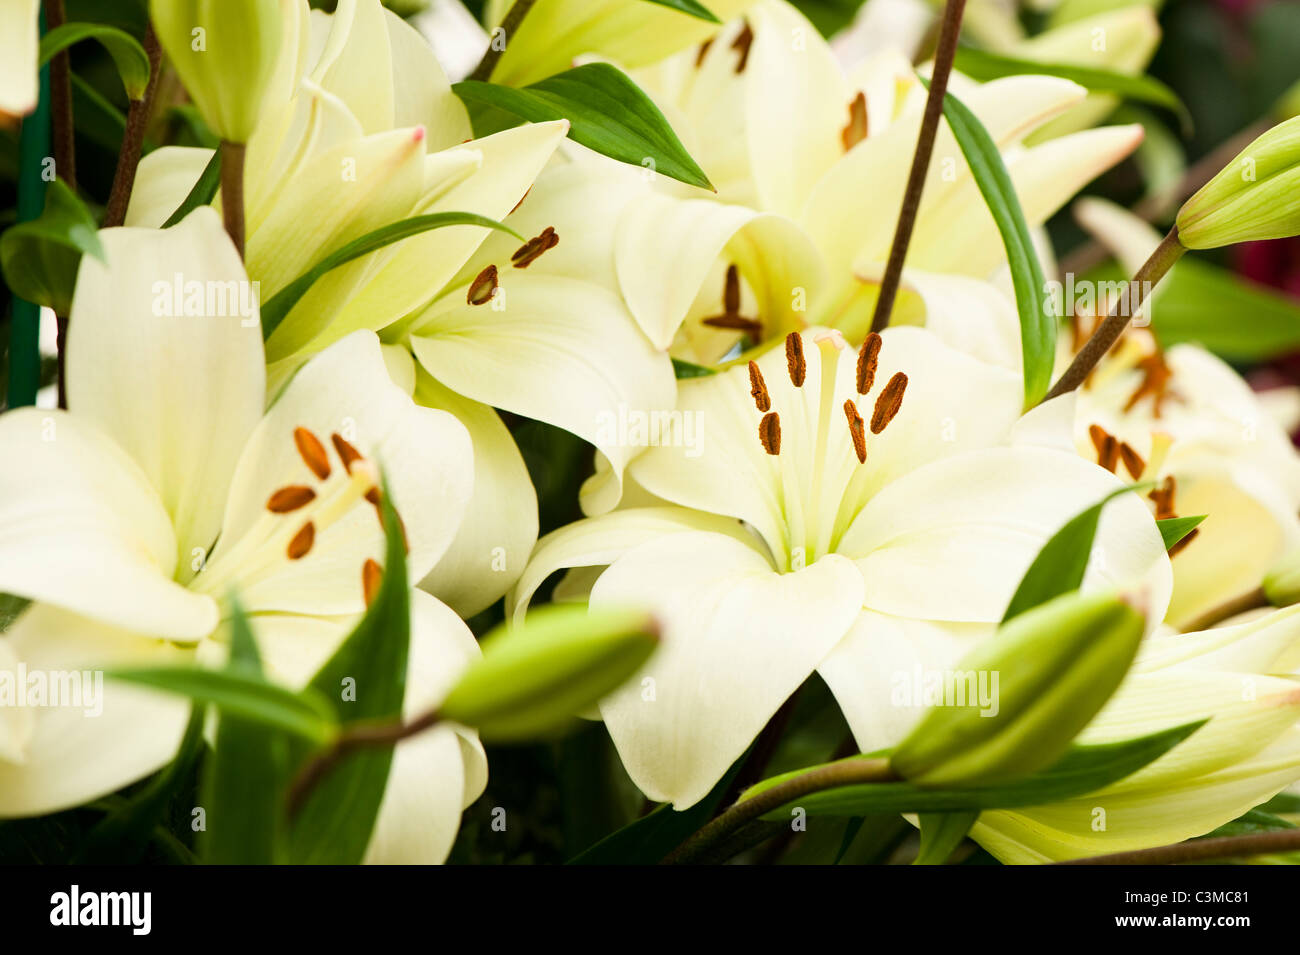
[350,740]
[1168,252]
[1201,850]
[943,59]
[847,773]
[232,192]
[137,120]
[61,335]
[64,145]
[1251,600]
[515,16]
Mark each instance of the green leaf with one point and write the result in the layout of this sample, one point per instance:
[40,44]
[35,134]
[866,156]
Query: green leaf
[123,836]
[647,840]
[984,66]
[689,7]
[1082,770]
[243,691]
[365,680]
[607,112]
[11,607]
[1037,321]
[245,780]
[282,303]
[1281,803]
[1253,820]
[941,833]
[202,193]
[128,55]
[685,369]
[1060,565]
[1174,529]
[40,258]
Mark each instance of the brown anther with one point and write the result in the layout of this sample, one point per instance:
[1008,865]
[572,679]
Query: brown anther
[1163,498]
[312,452]
[1106,446]
[741,44]
[856,129]
[529,252]
[704,51]
[1133,462]
[749,326]
[794,360]
[302,541]
[888,402]
[1155,383]
[374,496]
[856,429]
[347,454]
[731,291]
[868,360]
[483,287]
[758,388]
[372,575]
[290,498]
[769,432]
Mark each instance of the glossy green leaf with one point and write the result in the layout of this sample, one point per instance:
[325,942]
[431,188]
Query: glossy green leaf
[1174,529]
[201,193]
[984,66]
[686,369]
[128,55]
[1033,304]
[1060,565]
[40,257]
[689,7]
[282,303]
[1082,770]
[365,680]
[607,112]
[243,691]
[941,833]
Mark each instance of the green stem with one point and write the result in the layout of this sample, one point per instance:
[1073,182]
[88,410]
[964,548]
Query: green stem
[944,55]
[720,830]
[1201,850]
[1169,251]
[511,23]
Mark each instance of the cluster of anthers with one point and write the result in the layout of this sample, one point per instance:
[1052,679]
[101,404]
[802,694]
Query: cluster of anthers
[1111,452]
[485,285]
[888,401]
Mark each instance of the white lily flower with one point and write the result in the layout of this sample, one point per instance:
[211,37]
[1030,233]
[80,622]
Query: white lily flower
[1248,751]
[19,43]
[849,513]
[110,513]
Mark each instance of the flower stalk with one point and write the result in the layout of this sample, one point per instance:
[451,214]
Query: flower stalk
[232,192]
[137,120]
[513,19]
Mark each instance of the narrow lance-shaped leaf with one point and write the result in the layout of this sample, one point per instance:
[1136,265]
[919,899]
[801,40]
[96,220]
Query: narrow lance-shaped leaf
[606,111]
[282,303]
[690,7]
[1174,529]
[40,257]
[1037,320]
[941,833]
[202,192]
[128,55]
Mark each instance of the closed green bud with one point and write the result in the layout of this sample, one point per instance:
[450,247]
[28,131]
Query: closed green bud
[1282,582]
[1050,670]
[1256,196]
[225,52]
[535,677]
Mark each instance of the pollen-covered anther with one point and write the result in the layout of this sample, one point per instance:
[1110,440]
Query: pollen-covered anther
[1165,498]
[530,251]
[346,452]
[483,287]
[1106,446]
[372,575]
[300,545]
[758,388]
[769,432]
[731,319]
[868,361]
[856,129]
[856,429]
[290,498]
[1133,462]
[888,402]
[794,360]
[312,452]
[741,44]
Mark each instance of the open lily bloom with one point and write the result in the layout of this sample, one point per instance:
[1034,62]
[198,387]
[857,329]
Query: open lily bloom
[1248,751]
[1183,418]
[132,519]
[850,512]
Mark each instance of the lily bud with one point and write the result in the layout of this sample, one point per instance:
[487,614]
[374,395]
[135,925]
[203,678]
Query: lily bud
[1051,668]
[1256,196]
[225,54]
[1282,582]
[535,677]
